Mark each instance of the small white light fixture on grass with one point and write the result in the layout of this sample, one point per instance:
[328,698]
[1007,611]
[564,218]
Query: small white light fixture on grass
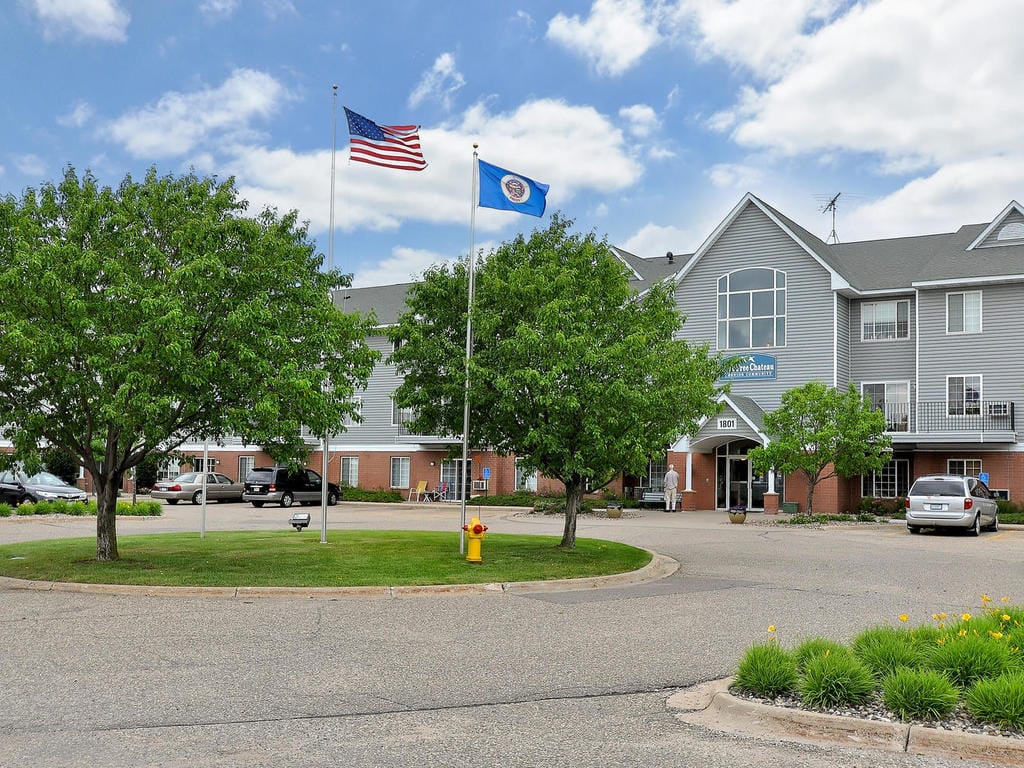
[299,520]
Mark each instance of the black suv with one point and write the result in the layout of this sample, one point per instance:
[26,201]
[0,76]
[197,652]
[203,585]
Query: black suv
[280,485]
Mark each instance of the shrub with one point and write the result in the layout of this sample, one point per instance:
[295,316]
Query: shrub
[969,658]
[814,647]
[999,700]
[517,499]
[349,493]
[919,694]
[836,679]
[766,670]
[141,509]
[885,649]
[6,510]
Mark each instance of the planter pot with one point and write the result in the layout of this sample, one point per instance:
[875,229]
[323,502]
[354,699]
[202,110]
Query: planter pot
[614,512]
[737,517]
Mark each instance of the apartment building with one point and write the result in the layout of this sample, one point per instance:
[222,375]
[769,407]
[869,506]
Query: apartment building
[927,327]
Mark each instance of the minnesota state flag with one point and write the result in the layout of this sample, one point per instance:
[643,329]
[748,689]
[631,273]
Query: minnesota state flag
[510,191]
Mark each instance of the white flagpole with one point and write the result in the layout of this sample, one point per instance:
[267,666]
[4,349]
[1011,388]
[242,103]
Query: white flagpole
[469,349]
[330,267]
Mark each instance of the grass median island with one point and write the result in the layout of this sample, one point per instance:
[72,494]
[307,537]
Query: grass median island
[287,558]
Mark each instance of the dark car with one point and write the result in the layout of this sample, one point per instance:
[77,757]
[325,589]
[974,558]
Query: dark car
[280,485]
[18,488]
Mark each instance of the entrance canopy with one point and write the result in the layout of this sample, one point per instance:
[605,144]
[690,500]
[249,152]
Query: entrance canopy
[740,418]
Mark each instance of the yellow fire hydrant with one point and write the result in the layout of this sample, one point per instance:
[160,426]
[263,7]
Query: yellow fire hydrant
[474,535]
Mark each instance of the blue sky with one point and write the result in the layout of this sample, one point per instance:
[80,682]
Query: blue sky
[649,120]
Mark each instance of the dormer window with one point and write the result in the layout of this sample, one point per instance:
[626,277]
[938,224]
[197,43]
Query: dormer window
[752,309]
[1012,231]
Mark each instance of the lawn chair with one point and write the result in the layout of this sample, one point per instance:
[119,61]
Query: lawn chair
[420,492]
[440,493]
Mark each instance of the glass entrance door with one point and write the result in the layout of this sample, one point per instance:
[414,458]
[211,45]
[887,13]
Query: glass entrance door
[739,483]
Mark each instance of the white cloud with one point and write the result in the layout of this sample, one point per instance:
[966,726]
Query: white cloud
[613,38]
[179,122]
[30,165]
[655,240]
[78,116]
[967,192]
[98,19]
[547,140]
[275,9]
[404,265]
[218,9]
[641,120]
[440,82]
[735,176]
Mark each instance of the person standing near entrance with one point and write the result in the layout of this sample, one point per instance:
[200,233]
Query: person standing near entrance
[671,485]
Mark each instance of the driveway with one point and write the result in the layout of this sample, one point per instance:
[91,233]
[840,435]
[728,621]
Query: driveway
[574,678]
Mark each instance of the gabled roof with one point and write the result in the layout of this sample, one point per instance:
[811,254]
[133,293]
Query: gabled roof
[387,302]
[1014,206]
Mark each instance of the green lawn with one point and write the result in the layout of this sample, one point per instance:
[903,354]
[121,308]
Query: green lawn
[283,558]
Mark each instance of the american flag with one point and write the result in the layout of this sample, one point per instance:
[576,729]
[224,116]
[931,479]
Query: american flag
[391,146]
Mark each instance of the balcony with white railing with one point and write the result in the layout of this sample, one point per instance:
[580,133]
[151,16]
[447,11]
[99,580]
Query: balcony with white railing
[945,421]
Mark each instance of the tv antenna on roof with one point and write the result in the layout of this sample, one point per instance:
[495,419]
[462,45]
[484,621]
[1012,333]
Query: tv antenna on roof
[831,205]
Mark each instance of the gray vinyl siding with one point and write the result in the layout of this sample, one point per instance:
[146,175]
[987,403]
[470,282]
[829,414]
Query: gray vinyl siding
[376,426]
[1014,217]
[843,341]
[880,361]
[754,240]
[994,353]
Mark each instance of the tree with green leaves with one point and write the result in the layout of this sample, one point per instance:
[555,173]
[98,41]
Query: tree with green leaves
[571,370]
[136,318]
[821,432]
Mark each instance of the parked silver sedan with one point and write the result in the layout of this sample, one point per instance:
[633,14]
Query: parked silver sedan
[951,501]
[189,487]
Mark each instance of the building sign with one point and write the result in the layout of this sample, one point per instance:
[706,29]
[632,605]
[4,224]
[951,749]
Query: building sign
[727,423]
[752,368]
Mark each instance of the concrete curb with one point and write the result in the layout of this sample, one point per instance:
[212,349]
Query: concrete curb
[660,567]
[710,705]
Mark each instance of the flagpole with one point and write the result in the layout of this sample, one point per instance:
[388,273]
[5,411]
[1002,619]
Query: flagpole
[469,350]
[330,267]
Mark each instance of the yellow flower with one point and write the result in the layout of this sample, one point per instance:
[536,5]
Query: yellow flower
[1005,617]
[986,599]
[935,616]
[1005,599]
[965,616]
[941,641]
[962,633]
[771,627]
[996,635]
[904,617]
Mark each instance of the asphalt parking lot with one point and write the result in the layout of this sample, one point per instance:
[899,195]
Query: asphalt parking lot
[553,678]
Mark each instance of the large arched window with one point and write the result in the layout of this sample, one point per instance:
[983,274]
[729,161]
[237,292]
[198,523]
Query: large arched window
[752,309]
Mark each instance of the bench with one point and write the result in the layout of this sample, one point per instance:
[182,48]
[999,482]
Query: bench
[652,497]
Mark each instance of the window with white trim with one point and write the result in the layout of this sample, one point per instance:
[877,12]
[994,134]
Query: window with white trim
[399,416]
[752,309]
[399,471]
[350,471]
[890,482]
[970,467]
[963,312]
[885,320]
[356,417]
[525,481]
[963,395]
[893,399]
[199,465]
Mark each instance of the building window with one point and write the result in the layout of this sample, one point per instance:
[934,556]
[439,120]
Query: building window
[525,481]
[168,470]
[399,416]
[752,309]
[357,415]
[656,470]
[963,395]
[893,399]
[885,320]
[245,463]
[399,471]
[199,465]
[963,312]
[890,482]
[970,467]
[350,471]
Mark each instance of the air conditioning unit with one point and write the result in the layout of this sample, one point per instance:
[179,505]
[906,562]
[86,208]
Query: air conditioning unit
[998,409]
[479,485]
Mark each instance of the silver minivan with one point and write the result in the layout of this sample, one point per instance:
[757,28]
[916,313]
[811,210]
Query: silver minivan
[951,501]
